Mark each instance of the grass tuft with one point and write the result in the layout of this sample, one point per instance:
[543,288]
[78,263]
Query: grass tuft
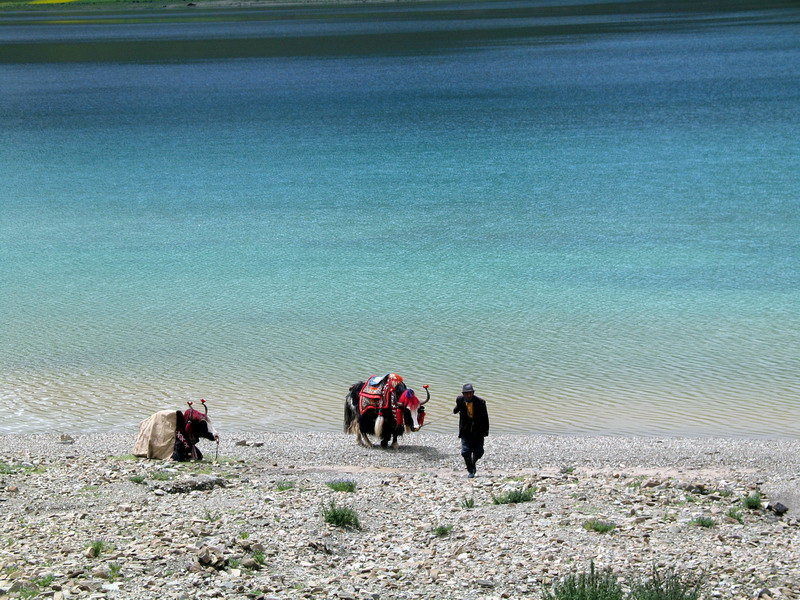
[514,497]
[703,522]
[342,485]
[442,530]
[340,516]
[594,585]
[259,557]
[282,486]
[599,526]
[735,514]
[97,547]
[468,502]
[44,582]
[666,586]
[137,478]
[211,516]
[752,501]
[162,476]
[114,571]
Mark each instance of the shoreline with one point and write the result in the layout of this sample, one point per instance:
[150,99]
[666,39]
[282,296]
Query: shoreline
[90,6]
[181,530]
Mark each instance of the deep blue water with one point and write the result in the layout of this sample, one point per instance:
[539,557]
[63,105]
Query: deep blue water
[591,215]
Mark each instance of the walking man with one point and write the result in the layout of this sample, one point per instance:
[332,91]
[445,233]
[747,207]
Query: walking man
[473,426]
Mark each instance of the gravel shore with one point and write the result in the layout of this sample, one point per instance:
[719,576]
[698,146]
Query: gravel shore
[84,519]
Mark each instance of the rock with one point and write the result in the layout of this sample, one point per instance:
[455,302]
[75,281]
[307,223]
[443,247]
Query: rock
[101,572]
[194,566]
[211,556]
[651,483]
[764,593]
[485,583]
[778,508]
[242,443]
[66,439]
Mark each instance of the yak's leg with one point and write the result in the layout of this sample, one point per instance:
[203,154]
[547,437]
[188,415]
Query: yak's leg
[394,442]
[363,439]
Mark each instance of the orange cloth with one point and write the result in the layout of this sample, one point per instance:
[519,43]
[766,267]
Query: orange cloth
[470,409]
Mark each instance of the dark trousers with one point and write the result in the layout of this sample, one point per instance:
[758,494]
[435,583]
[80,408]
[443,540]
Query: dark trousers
[471,450]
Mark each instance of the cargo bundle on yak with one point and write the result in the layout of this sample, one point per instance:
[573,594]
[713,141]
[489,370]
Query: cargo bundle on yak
[174,434]
[384,407]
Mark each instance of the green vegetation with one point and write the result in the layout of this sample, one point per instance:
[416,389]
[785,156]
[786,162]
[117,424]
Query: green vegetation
[97,547]
[162,476]
[567,470]
[703,522]
[442,530]
[735,514]
[594,585]
[244,535]
[282,486]
[211,516]
[753,501]
[8,469]
[114,571]
[604,585]
[259,557]
[340,516]
[124,457]
[342,485]
[233,563]
[29,591]
[136,479]
[667,586]
[514,497]
[468,502]
[599,526]
[725,493]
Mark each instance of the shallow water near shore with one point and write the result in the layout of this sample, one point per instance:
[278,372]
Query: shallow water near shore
[592,215]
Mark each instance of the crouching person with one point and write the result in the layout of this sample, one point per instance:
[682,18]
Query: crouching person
[175,434]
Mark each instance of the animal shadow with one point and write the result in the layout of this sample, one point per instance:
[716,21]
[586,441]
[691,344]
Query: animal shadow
[428,452]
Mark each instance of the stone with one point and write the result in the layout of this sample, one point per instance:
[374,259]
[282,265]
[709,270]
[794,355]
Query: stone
[778,508]
[211,556]
[66,439]
[101,572]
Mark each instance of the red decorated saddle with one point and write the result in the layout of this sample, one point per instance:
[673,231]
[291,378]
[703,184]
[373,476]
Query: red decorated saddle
[377,392]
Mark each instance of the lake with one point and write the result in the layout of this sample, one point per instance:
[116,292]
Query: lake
[589,211]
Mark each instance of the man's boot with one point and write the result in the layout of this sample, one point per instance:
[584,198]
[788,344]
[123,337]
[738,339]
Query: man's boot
[470,464]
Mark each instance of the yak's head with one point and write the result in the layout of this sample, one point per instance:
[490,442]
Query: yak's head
[197,424]
[412,408]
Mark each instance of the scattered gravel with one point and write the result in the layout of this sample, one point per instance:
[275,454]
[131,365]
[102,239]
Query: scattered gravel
[84,519]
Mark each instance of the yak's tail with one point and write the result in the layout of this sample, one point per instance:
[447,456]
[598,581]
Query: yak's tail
[350,411]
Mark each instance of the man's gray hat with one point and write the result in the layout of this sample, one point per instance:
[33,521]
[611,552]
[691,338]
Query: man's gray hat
[467,387]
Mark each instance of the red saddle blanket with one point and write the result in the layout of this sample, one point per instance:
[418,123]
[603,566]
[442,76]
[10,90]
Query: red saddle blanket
[377,392]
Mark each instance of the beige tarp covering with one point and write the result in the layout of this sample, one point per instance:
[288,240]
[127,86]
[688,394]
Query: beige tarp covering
[156,437]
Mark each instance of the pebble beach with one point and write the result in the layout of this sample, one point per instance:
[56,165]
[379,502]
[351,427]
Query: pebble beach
[83,518]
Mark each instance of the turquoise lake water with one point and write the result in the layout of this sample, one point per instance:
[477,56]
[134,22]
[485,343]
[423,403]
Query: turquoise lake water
[592,214]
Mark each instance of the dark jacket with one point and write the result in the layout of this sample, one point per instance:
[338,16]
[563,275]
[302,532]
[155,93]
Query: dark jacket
[478,426]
